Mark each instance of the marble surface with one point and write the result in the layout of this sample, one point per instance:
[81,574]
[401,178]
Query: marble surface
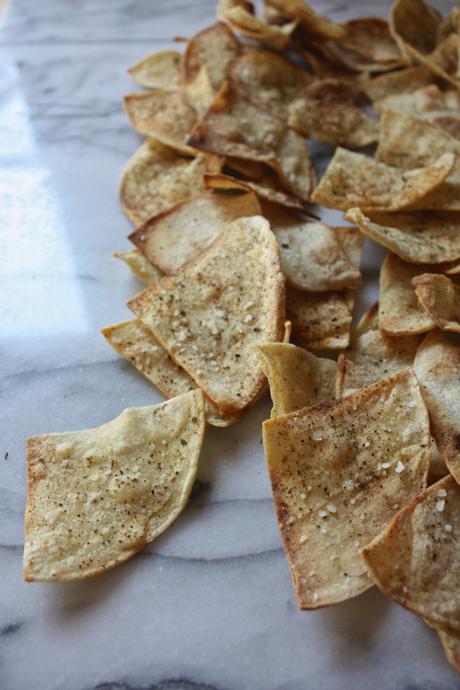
[209,605]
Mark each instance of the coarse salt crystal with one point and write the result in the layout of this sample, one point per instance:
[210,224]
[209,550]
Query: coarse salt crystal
[248,318]
[400,467]
[331,508]
[317,436]
[322,513]
[248,305]
[448,527]
[323,529]
[302,539]
[385,466]
[440,505]
[442,492]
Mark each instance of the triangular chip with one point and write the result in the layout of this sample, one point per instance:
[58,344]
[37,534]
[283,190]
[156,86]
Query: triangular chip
[296,378]
[139,265]
[403,81]
[399,310]
[353,179]
[373,355]
[133,341]
[97,497]
[157,177]
[440,298]
[264,191]
[185,230]
[419,238]
[240,17]
[416,562]
[339,472]
[407,142]
[212,313]
[234,127]
[320,320]
[213,48]
[313,23]
[437,366]
[159,70]
[369,38]
[330,110]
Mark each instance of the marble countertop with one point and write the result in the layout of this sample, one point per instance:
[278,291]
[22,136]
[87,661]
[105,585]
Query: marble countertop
[209,605]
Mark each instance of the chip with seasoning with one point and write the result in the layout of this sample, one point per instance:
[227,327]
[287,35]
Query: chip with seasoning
[139,265]
[239,15]
[339,471]
[401,81]
[320,320]
[158,71]
[97,497]
[313,23]
[213,48]
[440,298]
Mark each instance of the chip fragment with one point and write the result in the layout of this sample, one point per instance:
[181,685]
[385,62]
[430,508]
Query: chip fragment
[139,265]
[415,560]
[440,298]
[296,378]
[158,70]
[211,314]
[336,481]
[239,15]
[313,23]
[97,497]
[213,48]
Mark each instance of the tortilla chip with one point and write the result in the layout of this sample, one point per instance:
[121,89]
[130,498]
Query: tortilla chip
[320,320]
[268,80]
[211,314]
[157,177]
[399,310]
[234,127]
[313,23]
[437,366]
[336,478]
[353,179]
[415,561]
[369,38]
[407,142]
[199,92]
[414,26]
[185,230]
[312,257]
[139,265]
[227,182]
[415,237]
[296,378]
[403,81]
[158,70]
[440,298]
[240,17]
[329,110]
[373,355]
[97,497]
[134,342]
[213,48]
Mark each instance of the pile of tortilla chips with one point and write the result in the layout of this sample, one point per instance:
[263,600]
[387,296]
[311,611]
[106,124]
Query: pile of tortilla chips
[237,261]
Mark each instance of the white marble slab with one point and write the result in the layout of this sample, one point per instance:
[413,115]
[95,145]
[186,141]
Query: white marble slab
[209,605]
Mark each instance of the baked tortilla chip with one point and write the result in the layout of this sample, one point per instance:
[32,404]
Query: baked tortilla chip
[416,559]
[268,80]
[370,40]
[329,110]
[134,342]
[139,265]
[399,310]
[181,233]
[437,366]
[407,142]
[268,193]
[373,355]
[339,472]
[403,81]
[419,238]
[320,320]
[234,127]
[211,314]
[158,71]
[240,17]
[414,26]
[157,177]
[296,378]
[353,179]
[213,48]
[313,23]
[440,298]
[97,497]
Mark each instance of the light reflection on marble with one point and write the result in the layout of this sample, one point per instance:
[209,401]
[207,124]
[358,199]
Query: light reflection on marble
[209,604]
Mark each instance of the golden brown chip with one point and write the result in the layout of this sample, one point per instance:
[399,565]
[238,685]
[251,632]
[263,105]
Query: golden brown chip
[415,561]
[437,366]
[414,26]
[268,80]
[199,92]
[139,265]
[353,179]
[296,378]
[268,193]
[369,38]
[185,230]
[97,497]
[211,314]
[213,48]
[133,341]
[339,472]
[320,320]
[313,23]
[329,110]
[415,237]
[157,177]
[399,310]
[159,70]
[392,83]
[407,142]
[373,355]
[234,127]
[440,298]
[239,16]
